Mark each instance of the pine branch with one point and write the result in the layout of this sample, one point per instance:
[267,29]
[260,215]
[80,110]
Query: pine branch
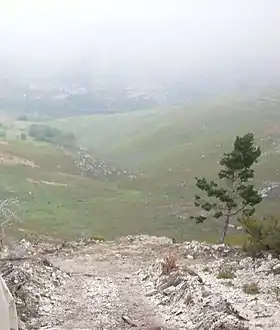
[238,210]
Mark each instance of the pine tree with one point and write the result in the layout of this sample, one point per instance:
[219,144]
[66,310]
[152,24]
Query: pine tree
[235,194]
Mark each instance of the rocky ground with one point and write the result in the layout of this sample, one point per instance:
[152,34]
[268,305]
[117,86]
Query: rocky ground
[88,165]
[141,282]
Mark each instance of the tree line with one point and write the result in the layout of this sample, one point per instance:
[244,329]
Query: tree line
[51,135]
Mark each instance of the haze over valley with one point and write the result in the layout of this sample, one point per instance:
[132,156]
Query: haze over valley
[109,109]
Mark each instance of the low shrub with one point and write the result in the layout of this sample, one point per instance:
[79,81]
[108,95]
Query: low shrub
[263,235]
[226,274]
[251,288]
[169,264]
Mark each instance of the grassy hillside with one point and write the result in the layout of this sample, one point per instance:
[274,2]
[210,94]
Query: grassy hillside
[169,146]
[172,146]
[145,138]
[177,144]
[56,200]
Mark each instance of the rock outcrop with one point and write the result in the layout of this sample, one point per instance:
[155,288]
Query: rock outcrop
[226,292]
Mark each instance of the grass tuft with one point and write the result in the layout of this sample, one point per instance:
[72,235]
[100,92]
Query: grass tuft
[251,288]
[226,274]
[169,265]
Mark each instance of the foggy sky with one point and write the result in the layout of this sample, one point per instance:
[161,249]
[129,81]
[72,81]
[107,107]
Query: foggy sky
[170,36]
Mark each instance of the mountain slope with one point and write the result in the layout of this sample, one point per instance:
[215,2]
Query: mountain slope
[165,148]
[145,138]
[172,146]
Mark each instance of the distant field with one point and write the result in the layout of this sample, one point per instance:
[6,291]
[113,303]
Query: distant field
[169,146]
[174,145]
[143,139]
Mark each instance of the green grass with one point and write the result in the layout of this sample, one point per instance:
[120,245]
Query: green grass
[166,144]
[152,138]
[81,205]
[76,205]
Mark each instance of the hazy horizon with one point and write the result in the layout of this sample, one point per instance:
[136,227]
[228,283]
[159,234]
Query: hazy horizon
[140,37]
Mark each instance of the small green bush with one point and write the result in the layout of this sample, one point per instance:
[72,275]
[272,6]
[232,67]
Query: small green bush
[227,274]
[251,288]
[263,235]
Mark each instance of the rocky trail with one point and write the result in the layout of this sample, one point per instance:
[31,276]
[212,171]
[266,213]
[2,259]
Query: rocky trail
[103,290]
[143,282]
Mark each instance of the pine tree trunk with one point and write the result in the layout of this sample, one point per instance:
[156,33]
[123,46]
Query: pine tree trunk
[224,231]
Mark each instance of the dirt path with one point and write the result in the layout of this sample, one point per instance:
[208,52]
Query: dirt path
[103,291]
[121,285]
